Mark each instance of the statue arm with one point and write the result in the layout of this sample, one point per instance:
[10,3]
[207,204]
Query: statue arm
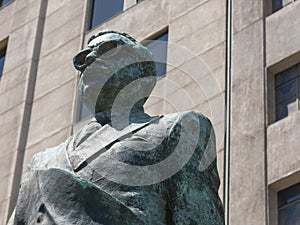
[51,157]
[193,196]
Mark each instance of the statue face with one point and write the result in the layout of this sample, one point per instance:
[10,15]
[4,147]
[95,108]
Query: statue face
[105,47]
[109,63]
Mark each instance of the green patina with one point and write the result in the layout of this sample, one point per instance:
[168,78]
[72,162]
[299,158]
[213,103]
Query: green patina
[84,183]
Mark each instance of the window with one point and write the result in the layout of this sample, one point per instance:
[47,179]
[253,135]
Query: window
[159,49]
[138,1]
[289,206]
[4,2]
[103,10]
[287,88]
[2,59]
[278,4]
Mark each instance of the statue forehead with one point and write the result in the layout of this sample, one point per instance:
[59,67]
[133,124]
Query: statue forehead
[109,37]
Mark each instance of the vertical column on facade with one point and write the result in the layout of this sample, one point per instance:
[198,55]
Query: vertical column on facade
[247,159]
[16,92]
[28,102]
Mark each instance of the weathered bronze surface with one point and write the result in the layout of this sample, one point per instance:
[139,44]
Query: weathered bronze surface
[124,167]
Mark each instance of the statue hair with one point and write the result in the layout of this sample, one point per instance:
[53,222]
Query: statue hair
[111,32]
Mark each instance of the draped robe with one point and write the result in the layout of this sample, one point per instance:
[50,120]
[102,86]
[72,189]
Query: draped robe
[66,185]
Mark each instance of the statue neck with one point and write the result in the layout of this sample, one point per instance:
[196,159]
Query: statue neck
[134,115]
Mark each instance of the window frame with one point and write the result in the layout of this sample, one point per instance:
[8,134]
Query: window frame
[273,190]
[270,6]
[5,4]
[287,204]
[154,37]
[294,74]
[3,51]
[90,15]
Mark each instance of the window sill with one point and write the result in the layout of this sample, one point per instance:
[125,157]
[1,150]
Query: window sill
[290,120]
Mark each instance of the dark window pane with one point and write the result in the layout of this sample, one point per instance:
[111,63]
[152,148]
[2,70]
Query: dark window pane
[286,92]
[287,75]
[289,195]
[289,215]
[159,49]
[4,2]
[278,4]
[138,1]
[2,60]
[104,10]
[289,206]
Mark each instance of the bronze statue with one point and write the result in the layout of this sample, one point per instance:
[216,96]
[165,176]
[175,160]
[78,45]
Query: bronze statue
[124,167]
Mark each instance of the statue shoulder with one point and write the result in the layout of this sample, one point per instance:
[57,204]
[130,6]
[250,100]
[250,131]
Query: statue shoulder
[191,127]
[189,116]
[55,157]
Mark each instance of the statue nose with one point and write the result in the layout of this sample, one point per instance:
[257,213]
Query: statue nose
[90,58]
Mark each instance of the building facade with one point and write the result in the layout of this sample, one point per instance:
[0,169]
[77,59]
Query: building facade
[237,62]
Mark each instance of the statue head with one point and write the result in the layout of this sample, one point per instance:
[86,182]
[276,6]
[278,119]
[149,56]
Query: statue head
[111,62]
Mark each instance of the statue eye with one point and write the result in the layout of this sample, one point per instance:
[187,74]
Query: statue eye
[79,59]
[107,48]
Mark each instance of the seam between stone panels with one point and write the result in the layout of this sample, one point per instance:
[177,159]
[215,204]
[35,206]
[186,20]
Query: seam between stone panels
[205,26]
[53,89]
[61,25]
[68,42]
[16,131]
[15,68]
[11,129]
[57,69]
[214,96]
[58,8]
[189,10]
[248,25]
[203,52]
[9,152]
[7,175]
[50,135]
[5,199]
[20,64]
[49,112]
[14,106]
[59,46]
[16,84]
[35,17]
[29,21]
